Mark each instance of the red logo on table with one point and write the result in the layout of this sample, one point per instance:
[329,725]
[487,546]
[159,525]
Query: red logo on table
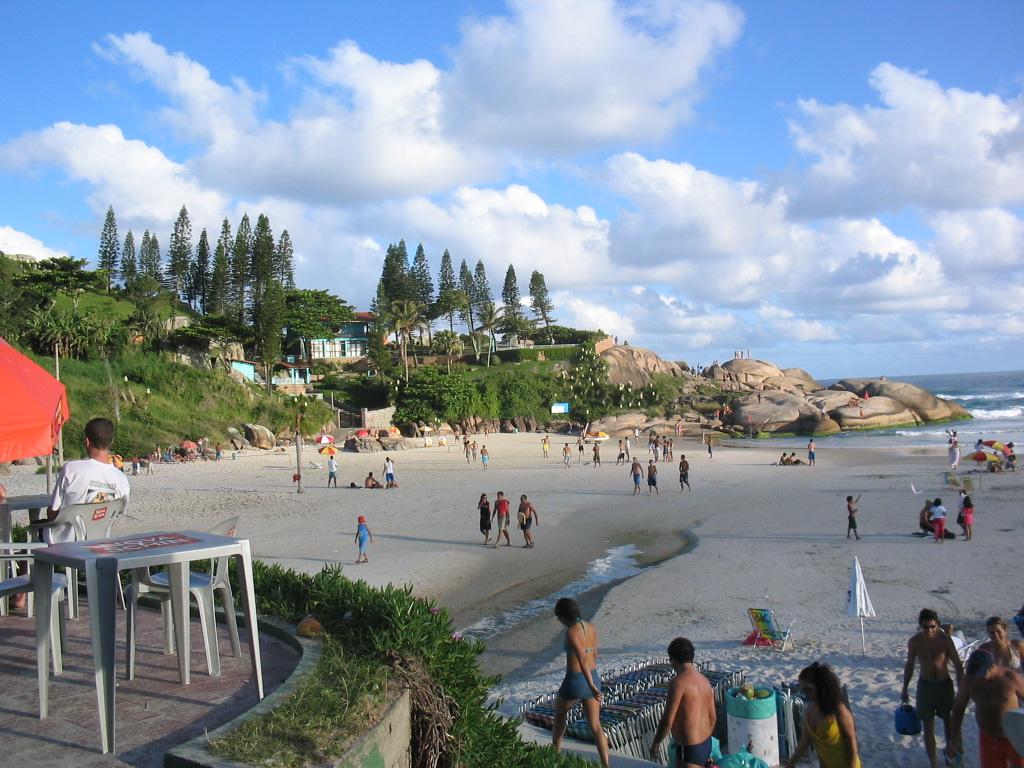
[99,514]
[124,546]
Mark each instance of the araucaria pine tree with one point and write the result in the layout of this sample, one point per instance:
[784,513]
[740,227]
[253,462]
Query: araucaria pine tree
[149,257]
[482,286]
[262,262]
[241,263]
[540,302]
[468,287]
[423,287]
[284,261]
[199,285]
[179,254]
[129,260]
[110,248]
[220,277]
[513,320]
[448,297]
[267,323]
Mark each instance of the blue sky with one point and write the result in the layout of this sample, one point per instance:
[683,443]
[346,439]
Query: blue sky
[832,186]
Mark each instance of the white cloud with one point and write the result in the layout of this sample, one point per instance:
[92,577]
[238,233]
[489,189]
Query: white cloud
[145,187]
[979,241]
[783,323]
[925,145]
[13,242]
[579,312]
[572,73]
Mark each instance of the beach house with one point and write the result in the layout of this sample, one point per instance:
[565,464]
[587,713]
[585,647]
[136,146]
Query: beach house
[347,344]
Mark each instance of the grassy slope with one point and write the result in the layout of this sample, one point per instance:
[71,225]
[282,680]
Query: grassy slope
[183,402]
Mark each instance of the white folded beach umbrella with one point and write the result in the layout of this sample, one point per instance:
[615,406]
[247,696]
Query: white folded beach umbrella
[858,601]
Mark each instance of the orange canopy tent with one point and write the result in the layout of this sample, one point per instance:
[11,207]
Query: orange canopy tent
[33,407]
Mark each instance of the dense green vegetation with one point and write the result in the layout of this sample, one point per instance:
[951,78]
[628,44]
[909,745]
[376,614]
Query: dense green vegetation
[376,639]
[166,402]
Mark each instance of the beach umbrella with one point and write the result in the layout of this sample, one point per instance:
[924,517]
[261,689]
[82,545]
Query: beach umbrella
[994,444]
[985,456]
[326,439]
[858,602]
[33,407]
[328,450]
[188,445]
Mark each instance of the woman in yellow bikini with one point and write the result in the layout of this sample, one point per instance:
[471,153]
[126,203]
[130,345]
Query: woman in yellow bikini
[828,722]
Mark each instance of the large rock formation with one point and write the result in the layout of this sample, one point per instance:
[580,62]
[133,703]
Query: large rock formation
[636,366]
[259,436]
[921,402]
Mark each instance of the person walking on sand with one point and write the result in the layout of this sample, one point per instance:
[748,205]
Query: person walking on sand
[597,455]
[652,478]
[484,506]
[1006,651]
[579,448]
[332,472]
[995,690]
[689,712]
[968,518]
[708,441]
[851,516]
[566,455]
[501,514]
[637,473]
[621,458]
[935,650]
[938,518]
[582,682]
[684,473]
[485,456]
[527,517]
[626,446]
[473,447]
[465,445]
[810,452]
[363,536]
[389,473]
[828,722]
[545,445]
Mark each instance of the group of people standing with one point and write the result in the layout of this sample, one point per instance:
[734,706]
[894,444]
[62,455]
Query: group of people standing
[498,517]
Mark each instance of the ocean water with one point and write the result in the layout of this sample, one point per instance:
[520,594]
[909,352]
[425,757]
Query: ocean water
[995,400]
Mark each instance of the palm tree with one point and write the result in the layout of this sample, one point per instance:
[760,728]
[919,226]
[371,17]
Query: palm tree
[489,320]
[405,317]
[449,344]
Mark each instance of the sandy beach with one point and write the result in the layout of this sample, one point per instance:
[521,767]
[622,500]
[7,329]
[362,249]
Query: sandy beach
[750,534]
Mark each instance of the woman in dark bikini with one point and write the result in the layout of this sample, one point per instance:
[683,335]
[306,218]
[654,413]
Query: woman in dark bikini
[582,681]
[485,517]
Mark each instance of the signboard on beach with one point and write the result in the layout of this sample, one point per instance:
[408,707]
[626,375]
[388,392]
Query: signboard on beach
[559,407]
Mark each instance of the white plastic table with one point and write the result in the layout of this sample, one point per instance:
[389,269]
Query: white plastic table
[101,559]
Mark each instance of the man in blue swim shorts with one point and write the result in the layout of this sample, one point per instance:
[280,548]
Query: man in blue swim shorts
[689,711]
[637,471]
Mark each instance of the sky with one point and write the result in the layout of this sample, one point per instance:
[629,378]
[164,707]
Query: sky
[834,186]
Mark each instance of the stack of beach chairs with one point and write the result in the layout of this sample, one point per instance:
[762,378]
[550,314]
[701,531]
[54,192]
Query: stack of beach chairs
[634,700]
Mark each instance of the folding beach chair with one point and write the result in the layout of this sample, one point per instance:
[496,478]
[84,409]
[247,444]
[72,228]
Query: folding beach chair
[766,629]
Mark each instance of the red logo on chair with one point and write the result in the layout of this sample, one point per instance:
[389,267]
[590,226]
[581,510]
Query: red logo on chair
[231,532]
[99,514]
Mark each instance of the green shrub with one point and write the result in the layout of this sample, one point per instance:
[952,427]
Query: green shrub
[530,354]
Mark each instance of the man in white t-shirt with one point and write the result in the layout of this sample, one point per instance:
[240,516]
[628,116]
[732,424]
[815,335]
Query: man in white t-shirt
[332,472]
[87,481]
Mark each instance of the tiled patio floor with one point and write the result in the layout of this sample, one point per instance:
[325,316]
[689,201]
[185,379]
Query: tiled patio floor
[154,711]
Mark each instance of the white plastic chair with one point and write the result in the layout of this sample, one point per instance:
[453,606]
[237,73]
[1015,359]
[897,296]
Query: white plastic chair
[89,521]
[201,586]
[25,585]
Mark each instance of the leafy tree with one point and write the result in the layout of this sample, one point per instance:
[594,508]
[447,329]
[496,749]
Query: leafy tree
[448,298]
[179,253]
[200,282]
[490,319]
[43,280]
[240,264]
[541,305]
[109,253]
[310,314]
[449,344]
[406,317]
[149,256]
[220,278]
[284,261]
[267,328]
[422,286]
[263,271]
[129,260]
[586,386]
[432,396]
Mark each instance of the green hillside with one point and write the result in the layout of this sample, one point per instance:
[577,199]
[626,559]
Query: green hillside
[166,402]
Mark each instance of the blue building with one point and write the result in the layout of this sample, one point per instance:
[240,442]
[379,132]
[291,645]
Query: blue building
[349,343]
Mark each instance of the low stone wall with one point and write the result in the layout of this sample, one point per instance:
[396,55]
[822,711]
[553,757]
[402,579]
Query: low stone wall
[378,419]
[388,744]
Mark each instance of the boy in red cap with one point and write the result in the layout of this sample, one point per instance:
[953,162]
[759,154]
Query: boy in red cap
[363,535]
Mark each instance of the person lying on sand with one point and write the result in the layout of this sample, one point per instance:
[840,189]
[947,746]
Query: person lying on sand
[371,482]
[793,460]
